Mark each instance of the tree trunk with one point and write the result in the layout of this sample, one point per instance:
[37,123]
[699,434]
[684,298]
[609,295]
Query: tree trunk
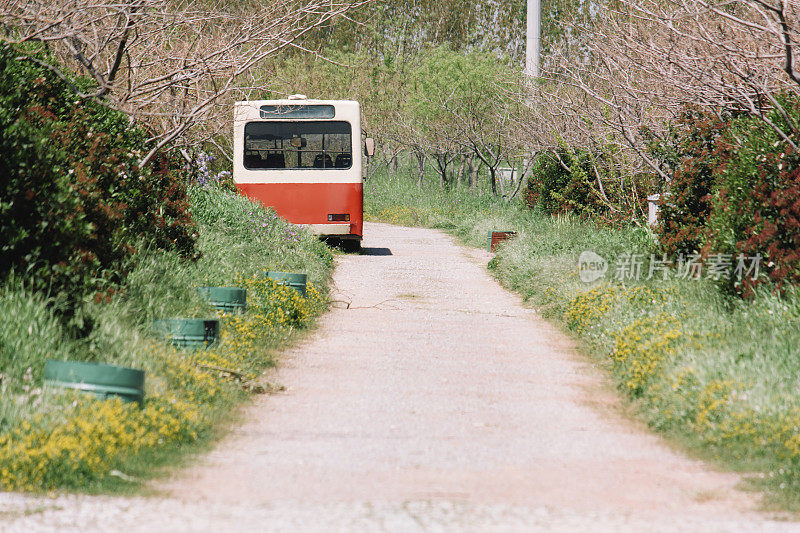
[523,175]
[442,164]
[462,169]
[470,171]
[420,168]
[503,187]
[474,172]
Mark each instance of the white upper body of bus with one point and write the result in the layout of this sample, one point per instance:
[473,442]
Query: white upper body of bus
[297,140]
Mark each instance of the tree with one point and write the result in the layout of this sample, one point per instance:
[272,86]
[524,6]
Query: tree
[167,64]
[626,70]
[466,104]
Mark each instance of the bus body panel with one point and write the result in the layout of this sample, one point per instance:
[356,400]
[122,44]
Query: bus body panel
[304,196]
[311,203]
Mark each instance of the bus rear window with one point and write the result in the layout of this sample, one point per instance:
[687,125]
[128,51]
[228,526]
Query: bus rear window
[298,145]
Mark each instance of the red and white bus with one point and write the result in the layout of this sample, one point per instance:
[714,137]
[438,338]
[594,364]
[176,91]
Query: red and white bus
[303,158]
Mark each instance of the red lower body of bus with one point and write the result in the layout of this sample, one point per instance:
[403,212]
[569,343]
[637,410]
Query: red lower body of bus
[313,203]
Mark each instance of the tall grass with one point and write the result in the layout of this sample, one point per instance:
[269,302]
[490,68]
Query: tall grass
[716,373]
[471,212]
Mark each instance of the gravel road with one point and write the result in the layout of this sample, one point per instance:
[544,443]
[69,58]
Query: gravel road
[430,399]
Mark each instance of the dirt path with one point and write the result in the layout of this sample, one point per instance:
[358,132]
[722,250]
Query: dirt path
[437,401]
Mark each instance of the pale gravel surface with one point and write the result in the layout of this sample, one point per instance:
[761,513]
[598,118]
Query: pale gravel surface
[437,402]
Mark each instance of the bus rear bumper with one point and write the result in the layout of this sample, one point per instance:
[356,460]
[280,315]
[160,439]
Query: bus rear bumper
[329,229]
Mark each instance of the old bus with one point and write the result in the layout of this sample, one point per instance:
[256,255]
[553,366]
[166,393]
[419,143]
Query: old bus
[303,158]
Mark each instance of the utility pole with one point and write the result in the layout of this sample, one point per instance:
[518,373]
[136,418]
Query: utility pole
[533,40]
[532,49]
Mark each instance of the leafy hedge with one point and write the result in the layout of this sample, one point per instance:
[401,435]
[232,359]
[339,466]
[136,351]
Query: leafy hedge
[560,183]
[585,183]
[74,202]
[756,209]
[735,193]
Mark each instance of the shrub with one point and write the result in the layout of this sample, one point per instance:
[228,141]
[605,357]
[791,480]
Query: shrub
[74,202]
[755,208]
[734,194]
[685,209]
[560,183]
[585,183]
[775,232]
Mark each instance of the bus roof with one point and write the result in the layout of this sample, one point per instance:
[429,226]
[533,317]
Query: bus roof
[272,109]
[287,101]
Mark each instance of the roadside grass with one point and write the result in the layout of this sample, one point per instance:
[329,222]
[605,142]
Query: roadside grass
[716,374]
[54,440]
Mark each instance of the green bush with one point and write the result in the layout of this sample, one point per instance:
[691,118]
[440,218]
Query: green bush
[560,183]
[74,203]
[584,183]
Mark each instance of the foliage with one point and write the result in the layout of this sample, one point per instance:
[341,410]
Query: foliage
[75,205]
[627,69]
[393,30]
[441,105]
[446,82]
[775,232]
[571,181]
[704,378]
[461,103]
[755,208]
[559,183]
[734,194]
[400,28]
[686,206]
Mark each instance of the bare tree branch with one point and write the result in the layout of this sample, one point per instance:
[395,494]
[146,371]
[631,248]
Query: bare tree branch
[170,64]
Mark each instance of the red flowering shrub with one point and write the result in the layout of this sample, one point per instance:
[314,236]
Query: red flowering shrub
[775,229]
[754,208]
[735,191]
[685,209]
